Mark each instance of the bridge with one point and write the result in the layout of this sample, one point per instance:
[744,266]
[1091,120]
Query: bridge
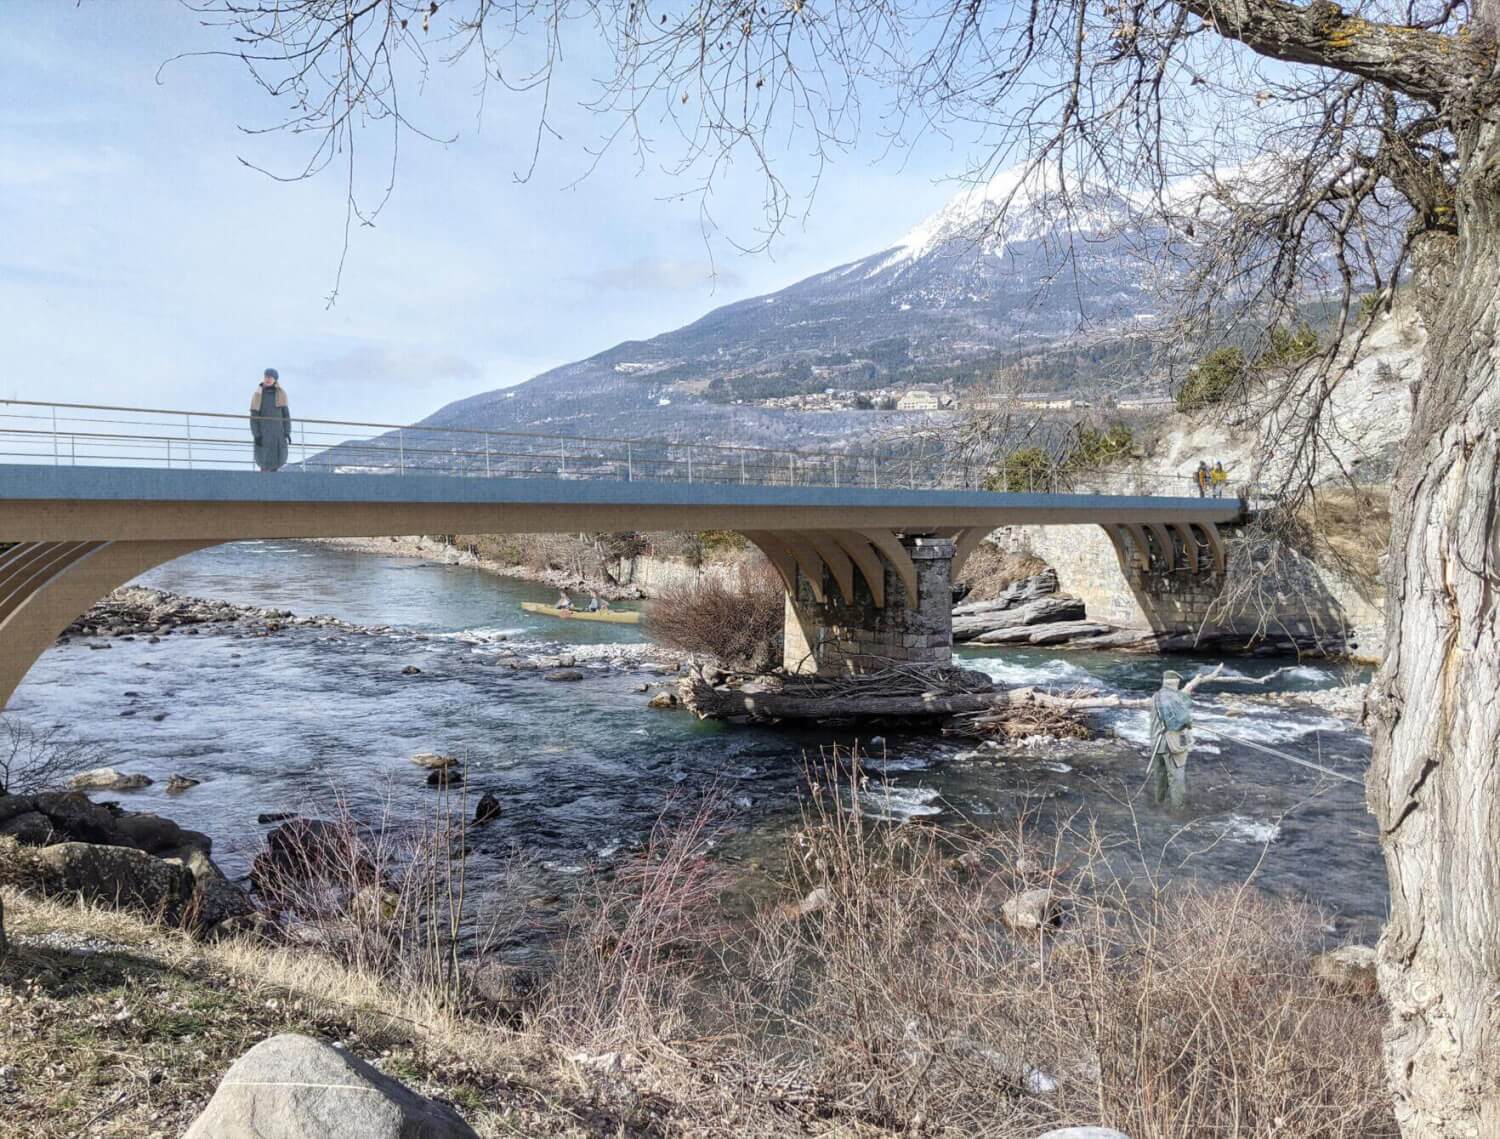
[867,545]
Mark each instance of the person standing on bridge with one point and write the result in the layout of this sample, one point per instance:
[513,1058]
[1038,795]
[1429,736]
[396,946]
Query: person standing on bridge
[270,422]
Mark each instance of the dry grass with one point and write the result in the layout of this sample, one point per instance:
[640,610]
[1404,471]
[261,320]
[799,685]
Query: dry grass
[1348,529]
[990,570]
[736,621]
[880,993]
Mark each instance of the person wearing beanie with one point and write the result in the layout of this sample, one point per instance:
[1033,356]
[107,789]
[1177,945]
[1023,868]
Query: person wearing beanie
[270,422]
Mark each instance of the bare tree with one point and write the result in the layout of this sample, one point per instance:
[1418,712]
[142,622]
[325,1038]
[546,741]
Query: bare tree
[1267,154]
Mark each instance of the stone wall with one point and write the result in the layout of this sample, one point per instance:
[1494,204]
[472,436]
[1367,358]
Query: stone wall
[1310,604]
[839,636]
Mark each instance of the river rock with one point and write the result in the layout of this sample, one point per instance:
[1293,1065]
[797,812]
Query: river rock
[156,835]
[177,784]
[307,850]
[663,700]
[488,808]
[275,817]
[1016,593]
[564,674]
[108,779]
[411,670]
[1044,610]
[31,828]
[1059,631]
[292,1086]
[119,877]
[1031,909]
[443,776]
[1349,968]
[215,898]
[431,759]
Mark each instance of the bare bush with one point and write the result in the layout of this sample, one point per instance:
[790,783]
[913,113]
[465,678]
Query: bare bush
[889,993]
[36,759]
[736,620]
[389,898]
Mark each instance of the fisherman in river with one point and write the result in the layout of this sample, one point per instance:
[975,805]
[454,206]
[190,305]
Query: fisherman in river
[270,422]
[1171,738]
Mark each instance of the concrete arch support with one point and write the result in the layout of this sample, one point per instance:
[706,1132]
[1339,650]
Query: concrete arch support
[51,584]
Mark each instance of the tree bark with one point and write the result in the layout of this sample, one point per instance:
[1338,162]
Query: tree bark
[1435,780]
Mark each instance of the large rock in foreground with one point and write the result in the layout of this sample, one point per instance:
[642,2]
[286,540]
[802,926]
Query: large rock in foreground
[293,1087]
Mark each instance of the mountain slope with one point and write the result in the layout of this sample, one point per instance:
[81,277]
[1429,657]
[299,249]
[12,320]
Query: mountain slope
[954,300]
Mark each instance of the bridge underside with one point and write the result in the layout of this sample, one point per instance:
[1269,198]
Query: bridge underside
[868,573]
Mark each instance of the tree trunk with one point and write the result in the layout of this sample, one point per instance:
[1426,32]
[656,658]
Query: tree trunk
[1435,782]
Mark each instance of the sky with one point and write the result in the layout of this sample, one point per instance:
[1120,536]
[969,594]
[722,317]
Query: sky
[143,263]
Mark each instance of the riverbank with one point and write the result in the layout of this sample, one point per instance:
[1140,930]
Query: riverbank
[870,991]
[644,576]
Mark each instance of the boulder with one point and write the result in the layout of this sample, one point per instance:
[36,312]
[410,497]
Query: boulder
[445,777]
[1349,968]
[1044,610]
[118,876]
[294,1087]
[179,783]
[13,805]
[157,835]
[663,700]
[215,898]
[1031,909]
[77,818]
[310,850]
[488,808]
[432,760]
[31,829]
[108,779]
[564,674]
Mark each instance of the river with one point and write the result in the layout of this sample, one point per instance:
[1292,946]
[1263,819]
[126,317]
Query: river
[288,721]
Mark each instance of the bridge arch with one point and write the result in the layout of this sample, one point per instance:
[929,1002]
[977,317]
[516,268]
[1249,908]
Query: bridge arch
[46,586]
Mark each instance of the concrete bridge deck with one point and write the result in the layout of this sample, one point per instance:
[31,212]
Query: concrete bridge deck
[867,570]
[62,503]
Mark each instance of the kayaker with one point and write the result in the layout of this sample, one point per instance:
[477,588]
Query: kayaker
[594,603]
[564,601]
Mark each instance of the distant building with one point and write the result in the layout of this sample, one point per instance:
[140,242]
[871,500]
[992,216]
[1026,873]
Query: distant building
[917,400]
[1146,403]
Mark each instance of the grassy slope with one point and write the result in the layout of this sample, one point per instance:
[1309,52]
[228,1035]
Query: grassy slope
[112,1027]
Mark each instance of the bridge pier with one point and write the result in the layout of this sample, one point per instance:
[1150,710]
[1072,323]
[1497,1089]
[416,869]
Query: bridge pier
[829,632]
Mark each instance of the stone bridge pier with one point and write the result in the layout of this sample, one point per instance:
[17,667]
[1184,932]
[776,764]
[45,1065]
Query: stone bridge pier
[862,601]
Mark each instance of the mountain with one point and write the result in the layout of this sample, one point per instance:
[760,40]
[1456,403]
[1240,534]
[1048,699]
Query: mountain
[953,302]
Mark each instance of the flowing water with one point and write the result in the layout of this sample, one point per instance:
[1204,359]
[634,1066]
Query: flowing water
[285,722]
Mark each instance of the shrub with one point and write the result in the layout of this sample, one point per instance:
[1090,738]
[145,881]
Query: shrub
[1028,468]
[736,619]
[1094,448]
[1213,379]
[1285,346]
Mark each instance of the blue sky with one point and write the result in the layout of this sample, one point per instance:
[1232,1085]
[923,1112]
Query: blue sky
[143,264]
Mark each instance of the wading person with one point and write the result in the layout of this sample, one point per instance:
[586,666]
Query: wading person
[1171,738]
[270,422]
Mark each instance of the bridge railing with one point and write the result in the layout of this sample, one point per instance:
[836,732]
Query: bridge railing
[36,432]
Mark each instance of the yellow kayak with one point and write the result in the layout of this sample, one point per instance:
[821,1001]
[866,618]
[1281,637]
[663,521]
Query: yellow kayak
[616,617]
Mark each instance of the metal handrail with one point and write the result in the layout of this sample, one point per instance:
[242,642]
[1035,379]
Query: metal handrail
[90,434]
